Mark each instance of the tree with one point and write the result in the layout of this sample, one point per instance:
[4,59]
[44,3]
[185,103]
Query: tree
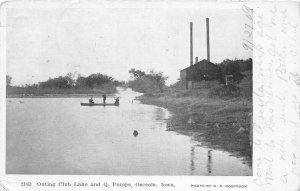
[80,81]
[159,78]
[147,83]
[70,77]
[234,68]
[136,73]
[8,80]
[61,82]
[98,80]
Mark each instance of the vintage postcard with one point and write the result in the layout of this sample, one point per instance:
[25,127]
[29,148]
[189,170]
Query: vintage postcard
[146,95]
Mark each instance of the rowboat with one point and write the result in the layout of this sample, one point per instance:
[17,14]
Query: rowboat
[99,104]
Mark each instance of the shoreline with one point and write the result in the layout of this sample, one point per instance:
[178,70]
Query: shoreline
[207,125]
[58,96]
[59,93]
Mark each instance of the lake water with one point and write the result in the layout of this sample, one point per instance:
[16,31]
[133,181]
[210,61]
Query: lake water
[58,136]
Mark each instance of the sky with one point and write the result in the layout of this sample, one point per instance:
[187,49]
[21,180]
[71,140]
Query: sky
[49,42]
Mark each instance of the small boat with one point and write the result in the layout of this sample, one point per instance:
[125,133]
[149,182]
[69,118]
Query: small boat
[99,104]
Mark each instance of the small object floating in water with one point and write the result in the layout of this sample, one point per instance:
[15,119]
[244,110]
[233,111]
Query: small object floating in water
[22,102]
[135,133]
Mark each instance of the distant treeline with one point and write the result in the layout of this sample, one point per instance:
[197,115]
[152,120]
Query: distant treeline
[68,84]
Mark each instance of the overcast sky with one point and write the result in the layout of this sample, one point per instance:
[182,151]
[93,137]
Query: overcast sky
[43,43]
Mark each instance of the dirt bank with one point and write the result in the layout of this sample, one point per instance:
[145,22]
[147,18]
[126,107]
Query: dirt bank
[218,123]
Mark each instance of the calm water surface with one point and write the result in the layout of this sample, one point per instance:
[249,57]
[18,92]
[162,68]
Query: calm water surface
[58,136]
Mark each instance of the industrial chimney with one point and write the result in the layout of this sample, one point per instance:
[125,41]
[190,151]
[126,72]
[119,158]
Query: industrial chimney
[191,42]
[207,39]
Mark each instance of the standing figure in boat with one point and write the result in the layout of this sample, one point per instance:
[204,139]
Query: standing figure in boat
[91,101]
[117,101]
[104,98]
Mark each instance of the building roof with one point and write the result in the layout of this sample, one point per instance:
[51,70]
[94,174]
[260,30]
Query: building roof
[200,62]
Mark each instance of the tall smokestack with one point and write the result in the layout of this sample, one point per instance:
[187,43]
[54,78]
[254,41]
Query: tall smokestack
[207,39]
[191,42]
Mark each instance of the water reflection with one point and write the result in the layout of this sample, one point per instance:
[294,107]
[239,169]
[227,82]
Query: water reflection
[193,159]
[208,164]
[160,114]
[192,167]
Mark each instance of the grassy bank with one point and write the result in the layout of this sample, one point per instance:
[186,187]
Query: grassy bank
[218,122]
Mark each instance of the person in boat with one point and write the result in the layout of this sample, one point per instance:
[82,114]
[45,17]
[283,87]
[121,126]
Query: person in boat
[117,101]
[104,98]
[91,101]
